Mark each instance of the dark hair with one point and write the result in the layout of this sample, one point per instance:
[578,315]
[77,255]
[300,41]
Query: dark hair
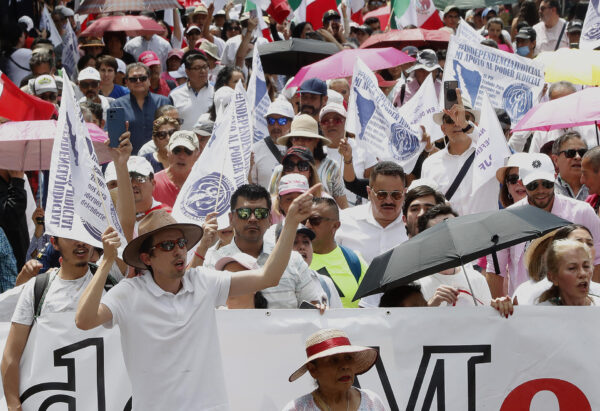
[166,26]
[299,28]
[120,35]
[565,231]
[227,26]
[489,43]
[529,13]
[134,66]
[225,75]
[396,296]
[387,168]
[39,40]
[84,60]
[330,203]
[192,55]
[318,153]
[593,155]
[553,4]
[94,108]
[371,20]
[504,196]
[108,61]
[251,192]
[421,191]
[145,248]
[433,212]
[11,33]
[567,85]
[563,139]
[148,13]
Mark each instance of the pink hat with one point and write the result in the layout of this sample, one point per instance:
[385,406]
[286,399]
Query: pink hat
[175,53]
[149,58]
[293,183]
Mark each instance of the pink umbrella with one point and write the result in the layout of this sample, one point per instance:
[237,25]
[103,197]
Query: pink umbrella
[27,145]
[577,109]
[341,64]
[382,13]
[132,25]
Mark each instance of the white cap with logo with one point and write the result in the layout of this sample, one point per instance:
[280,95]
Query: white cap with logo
[89,73]
[537,166]
[183,138]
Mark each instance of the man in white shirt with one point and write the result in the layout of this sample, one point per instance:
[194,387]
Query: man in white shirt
[372,229]
[264,152]
[195,97]
[551,30]
[167,317]
[152,42]
[89,84]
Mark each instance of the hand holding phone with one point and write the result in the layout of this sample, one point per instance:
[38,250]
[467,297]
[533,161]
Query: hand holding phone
[450,96]
[115,124]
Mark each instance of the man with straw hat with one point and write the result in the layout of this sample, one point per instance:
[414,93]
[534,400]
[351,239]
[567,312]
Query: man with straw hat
[167,316]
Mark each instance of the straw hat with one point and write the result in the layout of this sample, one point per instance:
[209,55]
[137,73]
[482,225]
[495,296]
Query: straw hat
[515,160]
[328,342]
[154,223]
[303,126]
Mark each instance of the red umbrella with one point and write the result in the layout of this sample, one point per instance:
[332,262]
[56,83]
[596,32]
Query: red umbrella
[434,39]
[382,13]
[132,25]
[111,6]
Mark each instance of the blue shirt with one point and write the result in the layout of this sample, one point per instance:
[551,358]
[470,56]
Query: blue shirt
[118,91]
[140,121]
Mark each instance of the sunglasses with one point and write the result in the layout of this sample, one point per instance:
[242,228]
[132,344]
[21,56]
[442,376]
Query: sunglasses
[234,28]
[382,195]
[245,212]
[169,245]
[300,165]
[137,79]
[512,179]
[571,153]
[161,135]
[334,120]
[317,220]
[535,184]
[282,121]
[88,84]
[138,179]
[178,150]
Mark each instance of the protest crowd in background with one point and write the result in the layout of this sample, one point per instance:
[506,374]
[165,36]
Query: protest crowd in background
[237,177]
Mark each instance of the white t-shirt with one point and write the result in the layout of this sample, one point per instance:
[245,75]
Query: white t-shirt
[480,286]
[191,105]
[264,163]
[62,296]
[170,341]
[546,38]
[528,292]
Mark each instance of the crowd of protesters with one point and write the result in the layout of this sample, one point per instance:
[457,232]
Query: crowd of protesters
[318,209]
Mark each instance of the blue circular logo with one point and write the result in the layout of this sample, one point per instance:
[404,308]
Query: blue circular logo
[592,33]
[403,141]
[206,194]
[517,100]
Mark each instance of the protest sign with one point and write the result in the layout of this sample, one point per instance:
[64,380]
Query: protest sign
[377,124]
[456,359]
[222,167]
[512,82]
[79,205]
[258,99]
[465,30]
[590,33]
[492,148]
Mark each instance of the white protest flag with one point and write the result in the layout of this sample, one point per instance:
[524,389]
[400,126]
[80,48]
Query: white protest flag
[222,167]
[258,99]
[511,82]
[465,30]
[590,33]
[419,110]
[79,204]
[70,53]
[377,124]
[492,148]
[47,23]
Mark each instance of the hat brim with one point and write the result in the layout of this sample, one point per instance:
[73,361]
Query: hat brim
[363,361]
[537,175]
[424,67]
[438,117]
[523,37]
[283,139]
[131,255]
[211,54]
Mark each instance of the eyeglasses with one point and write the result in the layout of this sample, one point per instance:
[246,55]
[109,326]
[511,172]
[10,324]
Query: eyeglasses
[137,79]
[178,150]
[199,68]
[169,245]
[317,220]
[136,178]
[571,153]
[512,179]
[382,195]
[289,166]
[89,84]
[334,120]
[245,212]
[161,135]
[282,121]
[535,184]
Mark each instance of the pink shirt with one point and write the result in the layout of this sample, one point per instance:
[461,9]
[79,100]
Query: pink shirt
[164,191]
[512,258]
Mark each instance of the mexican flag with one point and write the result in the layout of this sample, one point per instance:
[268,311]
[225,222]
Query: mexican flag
[421,13]
[312,10]
[263,27]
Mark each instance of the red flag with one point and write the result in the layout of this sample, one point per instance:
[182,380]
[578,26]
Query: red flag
[17,105]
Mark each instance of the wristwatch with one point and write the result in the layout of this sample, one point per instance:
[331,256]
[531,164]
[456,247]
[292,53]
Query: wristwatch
[470,126]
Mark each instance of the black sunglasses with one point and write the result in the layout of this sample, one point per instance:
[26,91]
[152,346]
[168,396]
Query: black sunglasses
[282,121]
[245,212]
[512,179]
[571,153]
[382,195]
[535,184]
[317,220]
[302,165]
[136,79]
[161,135]
[169,245]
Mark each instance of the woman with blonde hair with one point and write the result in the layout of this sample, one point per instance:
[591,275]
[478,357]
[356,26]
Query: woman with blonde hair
[162,129]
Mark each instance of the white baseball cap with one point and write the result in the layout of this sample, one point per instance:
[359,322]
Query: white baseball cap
[281,107]
[27,21]
[110,174]
[121,66]
[139,165]
[332,108]
[334,97]
[293,183]
[537,166]
[44,84]
[183,138]
[245,260]
[89,73]
[222,98]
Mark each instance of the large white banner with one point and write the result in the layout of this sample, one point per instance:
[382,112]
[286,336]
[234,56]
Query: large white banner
[512,82]
[454,359]
[590,33]
[46,23]
[79,205]
[258,98]
[377,124]
[222,167]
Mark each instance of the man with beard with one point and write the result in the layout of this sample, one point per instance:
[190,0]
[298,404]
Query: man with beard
[89,84]
[313,97]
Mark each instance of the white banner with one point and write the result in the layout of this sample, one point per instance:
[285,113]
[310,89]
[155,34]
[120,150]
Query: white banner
[492,147]
[258,98]
[47,23]
[455,359]
[512,82]
[377,124]
[465,30]
[79,204]
[590,33]
[70,53]
[222,167]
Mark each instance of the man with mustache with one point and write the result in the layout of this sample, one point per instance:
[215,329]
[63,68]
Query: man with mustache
[313,97]
[89,85]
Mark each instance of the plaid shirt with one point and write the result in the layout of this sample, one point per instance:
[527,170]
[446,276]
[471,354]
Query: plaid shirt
[8,264]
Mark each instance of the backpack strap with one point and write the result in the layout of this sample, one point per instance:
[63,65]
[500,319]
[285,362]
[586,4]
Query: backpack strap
[460,176]
[41,283]
[276,153]
[323,271]
[560,36]
[353,262]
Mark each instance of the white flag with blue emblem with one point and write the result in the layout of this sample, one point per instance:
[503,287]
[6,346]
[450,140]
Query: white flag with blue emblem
[590,33]
[258,98]
[70,53]
[222,167]
[79,205]
[46,23]
[377,124]
[492,148]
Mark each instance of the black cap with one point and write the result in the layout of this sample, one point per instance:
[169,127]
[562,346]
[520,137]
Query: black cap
[526,33]
[574,26]
[331,15]
[302,152]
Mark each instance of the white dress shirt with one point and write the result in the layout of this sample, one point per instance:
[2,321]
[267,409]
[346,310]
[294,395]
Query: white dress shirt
[191,105]
[157,44]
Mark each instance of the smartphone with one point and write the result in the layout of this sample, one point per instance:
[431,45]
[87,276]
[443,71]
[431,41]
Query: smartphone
[306,304]
[115,124]
[450,97]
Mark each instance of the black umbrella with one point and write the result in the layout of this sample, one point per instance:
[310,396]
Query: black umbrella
[454,242]
[288,56]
